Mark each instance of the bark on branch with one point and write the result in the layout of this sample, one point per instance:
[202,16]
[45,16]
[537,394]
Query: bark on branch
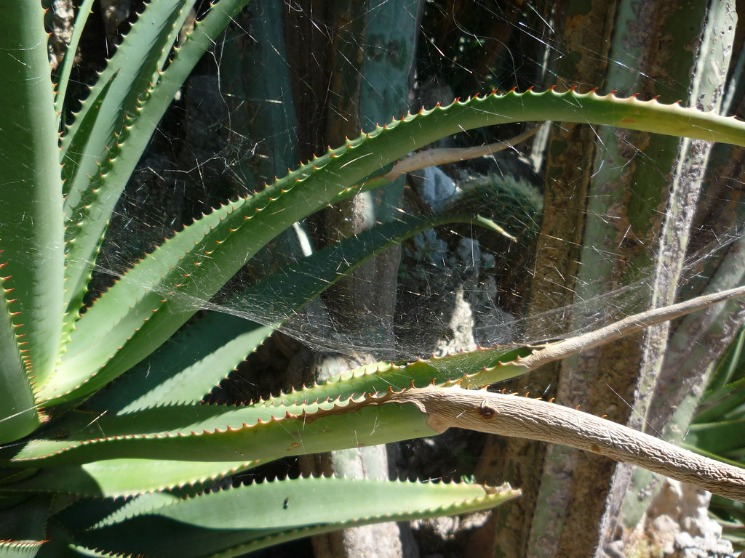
[515,416]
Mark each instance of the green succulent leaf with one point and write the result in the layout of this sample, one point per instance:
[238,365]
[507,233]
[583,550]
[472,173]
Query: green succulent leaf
[115,478]
[93,142]
[725,396]
[17,407]
[216,433]
[147,437]
[717,428]
[186,368]
[243,519]
[127,324]
[128,74]
[23,527]
[69,59]
[285,292]
[187,431]
[719,437]
[731,367]
[723,402]
[31,229]
[480,367]
[20,549]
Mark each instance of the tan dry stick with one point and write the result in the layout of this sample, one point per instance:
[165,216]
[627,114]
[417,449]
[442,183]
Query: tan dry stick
[512,415]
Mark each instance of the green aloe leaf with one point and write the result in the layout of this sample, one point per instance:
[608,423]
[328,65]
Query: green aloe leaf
[344,412]
[20,549]
[217,433]
[104,333]
[67,63]
[165,429]
[128,73]
[31,230]
[490,366]
[188,367]
[23,528]
[115,478]
[718,438]
[721,402]
[235,521]
[725,395]
[93,142]
[719,424]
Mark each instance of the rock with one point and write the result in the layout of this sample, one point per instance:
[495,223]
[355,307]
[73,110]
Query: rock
[678,524]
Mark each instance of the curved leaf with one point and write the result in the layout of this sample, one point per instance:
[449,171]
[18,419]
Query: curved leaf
[67,63]
[92,143]
[123,131]
[128,74]
[247,518]
[116,478]
[217,433]
[31,241]
[23,528]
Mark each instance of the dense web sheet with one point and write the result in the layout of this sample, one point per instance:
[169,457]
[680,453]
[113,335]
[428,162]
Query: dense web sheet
[462,286]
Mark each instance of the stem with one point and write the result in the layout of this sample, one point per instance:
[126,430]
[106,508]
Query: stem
[446,155]
[510,415]
[624,328]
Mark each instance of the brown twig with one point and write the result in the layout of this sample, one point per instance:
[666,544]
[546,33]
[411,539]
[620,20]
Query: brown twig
[623,328]
[444,156]
[515,416]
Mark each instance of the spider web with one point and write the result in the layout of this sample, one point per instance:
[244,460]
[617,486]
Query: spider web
[455,288]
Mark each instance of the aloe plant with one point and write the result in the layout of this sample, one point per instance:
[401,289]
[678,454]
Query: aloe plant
[107,446]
